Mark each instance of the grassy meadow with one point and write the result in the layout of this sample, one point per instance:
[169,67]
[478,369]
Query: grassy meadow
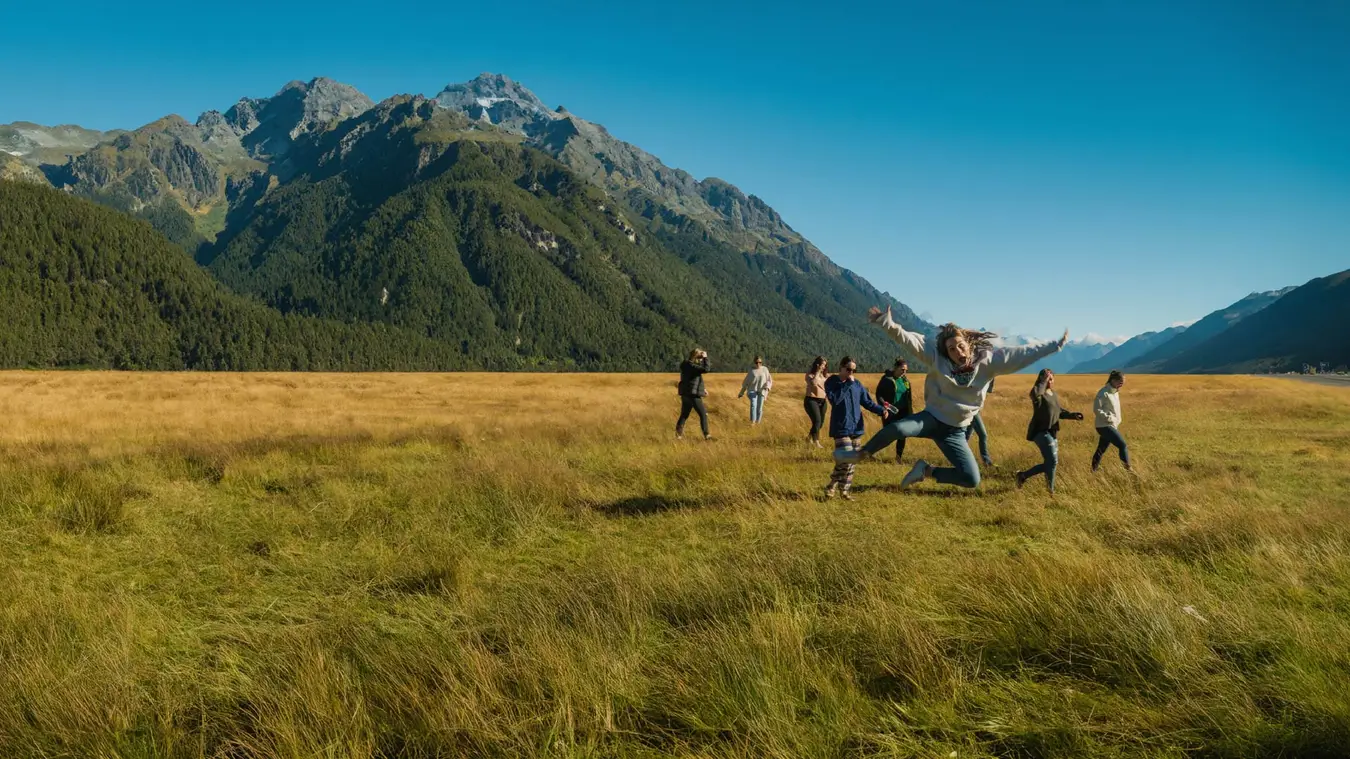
[281,565]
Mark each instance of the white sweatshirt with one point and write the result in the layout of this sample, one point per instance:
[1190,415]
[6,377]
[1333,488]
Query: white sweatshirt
[952,403]
[757,380]
[1107,407]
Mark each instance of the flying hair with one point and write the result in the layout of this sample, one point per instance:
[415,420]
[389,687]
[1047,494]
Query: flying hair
[977,340]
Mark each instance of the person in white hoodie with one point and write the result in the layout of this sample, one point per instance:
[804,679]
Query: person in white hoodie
[1107,411]
[960,365]
[756,384]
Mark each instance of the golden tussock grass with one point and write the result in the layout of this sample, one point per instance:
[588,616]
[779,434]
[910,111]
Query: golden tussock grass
[212,565]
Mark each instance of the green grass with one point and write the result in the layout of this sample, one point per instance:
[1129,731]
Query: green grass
[212,222]
[418,565]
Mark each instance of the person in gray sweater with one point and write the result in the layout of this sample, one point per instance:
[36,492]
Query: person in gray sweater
[960,365]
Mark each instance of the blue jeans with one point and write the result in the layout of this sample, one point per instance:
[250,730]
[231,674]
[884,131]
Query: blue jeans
[756,405]
[950,440]
[1107,437]
[977,427]
[1049,459]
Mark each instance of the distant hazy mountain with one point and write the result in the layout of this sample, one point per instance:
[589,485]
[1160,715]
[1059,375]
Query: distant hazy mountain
[1307,325]
[1204,329]
[39,144]
[1073,353]
[1131,349]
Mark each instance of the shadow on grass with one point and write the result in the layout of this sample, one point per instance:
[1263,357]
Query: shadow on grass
[646,505]
[985,490]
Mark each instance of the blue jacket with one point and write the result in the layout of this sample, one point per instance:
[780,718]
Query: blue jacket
[847,400]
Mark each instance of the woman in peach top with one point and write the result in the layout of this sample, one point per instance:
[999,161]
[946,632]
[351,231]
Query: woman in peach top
[815,398]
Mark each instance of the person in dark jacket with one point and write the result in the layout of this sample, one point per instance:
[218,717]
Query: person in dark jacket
[847,398]
[692,390]
[1043,430]
[894,388]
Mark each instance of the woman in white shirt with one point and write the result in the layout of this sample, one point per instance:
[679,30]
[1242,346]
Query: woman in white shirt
[1106,409]
[756,384]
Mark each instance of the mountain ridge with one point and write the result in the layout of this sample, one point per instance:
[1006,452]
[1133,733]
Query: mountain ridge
[1206,327]
[1303,326]
[1123,354]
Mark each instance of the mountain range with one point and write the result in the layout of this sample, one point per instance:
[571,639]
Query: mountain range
[522,236]
[1278,330]
[1124,354]
[510,234]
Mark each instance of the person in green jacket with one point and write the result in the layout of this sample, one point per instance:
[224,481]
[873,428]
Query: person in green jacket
[894,388]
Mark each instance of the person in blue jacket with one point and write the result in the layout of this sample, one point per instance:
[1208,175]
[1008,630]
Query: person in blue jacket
[848,398]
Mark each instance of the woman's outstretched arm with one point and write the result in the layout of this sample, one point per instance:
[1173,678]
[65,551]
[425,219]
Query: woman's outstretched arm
[1014,359]
[911,343]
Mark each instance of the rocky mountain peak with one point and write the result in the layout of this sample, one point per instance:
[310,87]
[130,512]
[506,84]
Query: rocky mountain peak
[269,126]
[496,98]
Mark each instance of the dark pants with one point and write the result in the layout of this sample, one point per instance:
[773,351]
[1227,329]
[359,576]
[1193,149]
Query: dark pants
[687,404]
[1107,437]
[815,408]
[900,441]
[950,440]
[977,427]
[1049,460]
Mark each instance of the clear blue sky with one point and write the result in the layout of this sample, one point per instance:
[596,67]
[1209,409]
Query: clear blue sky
[1108,166]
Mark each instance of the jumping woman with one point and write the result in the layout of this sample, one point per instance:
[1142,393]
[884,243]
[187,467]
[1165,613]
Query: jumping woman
[1043,430]
[815,398]
[1106,409]
[756,384]
[960,365]
[692,390]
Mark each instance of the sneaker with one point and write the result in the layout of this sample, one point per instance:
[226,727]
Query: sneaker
[847,496]
[679,436]
[829,491]
[1096,466]
[845,456]
[916,474]
[707,438]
